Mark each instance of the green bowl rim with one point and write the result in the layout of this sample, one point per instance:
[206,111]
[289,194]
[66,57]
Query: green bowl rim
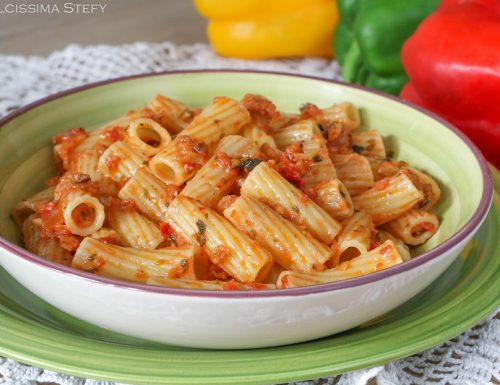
[467,229]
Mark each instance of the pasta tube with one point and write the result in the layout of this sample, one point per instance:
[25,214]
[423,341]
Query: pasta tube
[321,170]
[380,237]
[291,248]
[267,185]
[355,237]
[333,197]
[135,265]
[428,186]
[284,119]
[134,229]
[274,272]
[119,162]
[388,198]
[384,167]
[83,213]
[47,248]
[413,227]
[313,144]
[368,143]
[111,131]
[150,195]
[355,172]
[87,163]
[218,176]
[28,206]
[100,139]
[234,252]
[346,113]
[259,136]
[296,133]
[223,117]
[171,114]
[108,235]
[146,136]
[384,256]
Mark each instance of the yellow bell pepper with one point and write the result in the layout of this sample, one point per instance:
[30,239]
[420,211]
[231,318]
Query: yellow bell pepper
[263,29]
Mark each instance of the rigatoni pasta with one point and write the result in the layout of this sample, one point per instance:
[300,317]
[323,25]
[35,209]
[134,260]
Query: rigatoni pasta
[332,196]
[28,206]
[345,113]
[266,184]
[131,264]
[355,237]
[382,257]
[47,248]
[389,198]
[414,227]
[233,251]
[368,143]
[291,248]
[180,160]
[380,236]
[219,175]
[120,162]
[146,136]
[150,195]
[354,171]
[172,114]
[234,196]
[134,229]
[83,213]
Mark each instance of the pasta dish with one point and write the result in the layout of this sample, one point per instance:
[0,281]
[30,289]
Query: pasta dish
[235,196]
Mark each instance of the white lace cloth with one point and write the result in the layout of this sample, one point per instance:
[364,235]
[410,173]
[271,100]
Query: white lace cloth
[472,358]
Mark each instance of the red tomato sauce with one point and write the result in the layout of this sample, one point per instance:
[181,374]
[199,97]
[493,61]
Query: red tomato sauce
[260,106]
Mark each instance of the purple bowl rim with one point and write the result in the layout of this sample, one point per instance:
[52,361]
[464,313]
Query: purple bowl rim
[466,230]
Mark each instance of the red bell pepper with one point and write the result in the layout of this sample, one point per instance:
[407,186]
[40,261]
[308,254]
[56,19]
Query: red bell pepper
[453,63]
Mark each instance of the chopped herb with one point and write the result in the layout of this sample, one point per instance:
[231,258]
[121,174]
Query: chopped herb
[80,177]
[249,164]
[198,147]
[202,228]
[317,158]
[295,209]
[423,202]
[91,258]
[173,238]
[358,149]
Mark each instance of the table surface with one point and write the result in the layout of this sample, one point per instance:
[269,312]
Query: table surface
[123,21]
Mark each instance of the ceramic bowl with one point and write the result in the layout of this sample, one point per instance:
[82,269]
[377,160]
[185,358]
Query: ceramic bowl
[229,320]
